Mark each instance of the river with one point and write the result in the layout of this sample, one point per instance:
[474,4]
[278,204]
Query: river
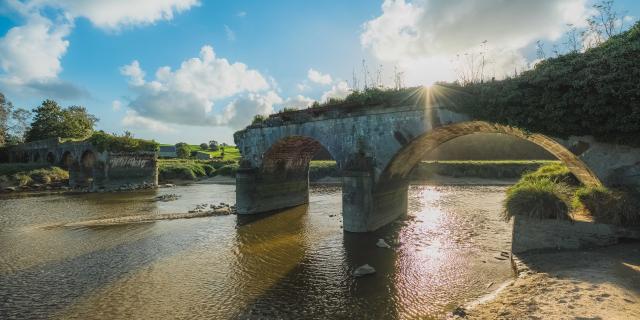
[293,264]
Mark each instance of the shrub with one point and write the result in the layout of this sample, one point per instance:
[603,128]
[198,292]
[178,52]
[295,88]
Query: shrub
[320,169]
[619,207]
[125,143]
[228,170]
[556,172]
[542,199]
[21,175]
[258,118]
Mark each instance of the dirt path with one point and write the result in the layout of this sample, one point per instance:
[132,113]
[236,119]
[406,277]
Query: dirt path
[589,284]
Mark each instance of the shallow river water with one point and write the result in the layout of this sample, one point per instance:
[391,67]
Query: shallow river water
[294,264]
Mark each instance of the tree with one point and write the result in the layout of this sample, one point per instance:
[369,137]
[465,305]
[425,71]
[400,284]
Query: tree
[204,146]
[5,113]
[18,126]
[51,121]
[213,145]
[182,150]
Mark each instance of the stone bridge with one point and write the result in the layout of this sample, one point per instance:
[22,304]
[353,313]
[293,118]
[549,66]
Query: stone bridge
[89,167]
[376,147]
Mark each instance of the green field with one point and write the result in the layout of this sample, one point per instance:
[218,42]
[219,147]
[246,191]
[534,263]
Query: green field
[230,152]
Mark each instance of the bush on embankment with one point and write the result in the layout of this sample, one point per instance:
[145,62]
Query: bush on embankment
[319,169]
[556,172]
[540,198]
[611,206]
[125,143]
[490,169]
[20,175]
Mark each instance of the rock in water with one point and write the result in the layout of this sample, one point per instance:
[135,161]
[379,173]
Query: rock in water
[383,244]
[364,270]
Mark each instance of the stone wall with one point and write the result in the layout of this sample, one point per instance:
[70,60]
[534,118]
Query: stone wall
[537,235]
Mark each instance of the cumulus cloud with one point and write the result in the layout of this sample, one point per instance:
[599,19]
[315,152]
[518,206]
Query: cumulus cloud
[429,34]
[116,105]
[339,90]
[132,120]
[239,113]
[114,14]
[187,95]
[297,102]
[30,57]
[318,77]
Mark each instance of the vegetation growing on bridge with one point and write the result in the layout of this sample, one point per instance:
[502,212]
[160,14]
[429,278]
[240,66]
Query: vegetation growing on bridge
[124,143]
[592,93]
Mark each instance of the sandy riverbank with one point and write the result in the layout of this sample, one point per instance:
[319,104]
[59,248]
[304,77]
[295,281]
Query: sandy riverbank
[599,283]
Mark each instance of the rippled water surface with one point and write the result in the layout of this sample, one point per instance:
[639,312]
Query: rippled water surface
[294,264]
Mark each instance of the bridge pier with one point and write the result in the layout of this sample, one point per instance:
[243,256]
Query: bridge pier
[365,209]
[258,193]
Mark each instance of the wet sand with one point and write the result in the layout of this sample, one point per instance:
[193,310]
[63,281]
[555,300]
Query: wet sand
[601,283]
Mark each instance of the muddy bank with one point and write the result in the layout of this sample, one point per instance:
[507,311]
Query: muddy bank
[599,283]
[144,218]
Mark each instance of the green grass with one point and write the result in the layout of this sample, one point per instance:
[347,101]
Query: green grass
[490,169]
[611,206]
[556,172]
[231,153]
[29,174]
[319,169]
[540,198]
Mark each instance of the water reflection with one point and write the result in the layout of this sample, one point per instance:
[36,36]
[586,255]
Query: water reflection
[294,264]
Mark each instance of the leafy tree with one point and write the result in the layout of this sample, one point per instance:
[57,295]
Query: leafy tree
[204,146]
[5,113]
[182,150]
[52,121]
[213,145]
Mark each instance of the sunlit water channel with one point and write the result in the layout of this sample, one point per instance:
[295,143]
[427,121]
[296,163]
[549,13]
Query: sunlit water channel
[294,264]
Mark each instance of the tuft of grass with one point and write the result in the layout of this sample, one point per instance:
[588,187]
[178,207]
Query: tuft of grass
[556,172]
[541,198]
[610,206]
[29,174]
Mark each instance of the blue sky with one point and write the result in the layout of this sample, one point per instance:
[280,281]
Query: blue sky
[229,60]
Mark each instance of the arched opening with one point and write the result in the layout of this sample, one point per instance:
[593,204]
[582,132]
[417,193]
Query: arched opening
[282,178]
[51,158]
[414,151]
[86,167]
[67,160]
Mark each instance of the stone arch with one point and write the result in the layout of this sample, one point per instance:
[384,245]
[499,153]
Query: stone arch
[291,156]
[282,178]
[51,158]
[86,165]
[413,151]
[67,160]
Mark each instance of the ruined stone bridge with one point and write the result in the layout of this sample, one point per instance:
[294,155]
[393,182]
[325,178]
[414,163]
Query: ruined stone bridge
[88,167]
[376,147]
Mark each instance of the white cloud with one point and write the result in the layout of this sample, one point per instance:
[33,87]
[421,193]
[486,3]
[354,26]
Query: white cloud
[134,72]
[239,113]
[241,14]
[424,36]
[318,77]
[297,102]
[30,57]
[116,105]
[302,86]
[187,95]
[132,120]
[231,36]
[33,51]
[114,14]
[339,90]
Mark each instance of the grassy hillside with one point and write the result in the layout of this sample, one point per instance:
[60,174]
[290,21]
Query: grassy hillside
[230,152]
